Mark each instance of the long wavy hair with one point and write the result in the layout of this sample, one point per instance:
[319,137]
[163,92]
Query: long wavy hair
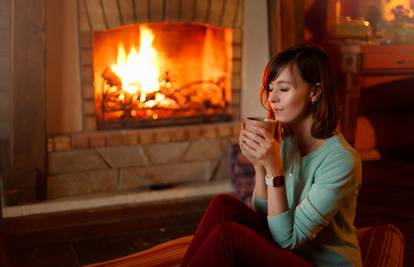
[316,69]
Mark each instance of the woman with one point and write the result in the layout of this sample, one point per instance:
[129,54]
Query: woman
[306,183]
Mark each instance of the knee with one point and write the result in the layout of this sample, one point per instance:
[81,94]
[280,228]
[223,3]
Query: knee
[224,200]
[229,231]
[227,227]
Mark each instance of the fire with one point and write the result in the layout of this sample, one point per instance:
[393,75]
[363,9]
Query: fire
[139,71]
[148,72]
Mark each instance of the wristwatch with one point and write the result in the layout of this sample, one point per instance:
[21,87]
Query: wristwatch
[275,181]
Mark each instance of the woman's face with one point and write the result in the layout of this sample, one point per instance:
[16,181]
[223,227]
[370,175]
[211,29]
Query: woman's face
[289,101]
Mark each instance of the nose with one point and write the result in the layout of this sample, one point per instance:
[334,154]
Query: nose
[274,96]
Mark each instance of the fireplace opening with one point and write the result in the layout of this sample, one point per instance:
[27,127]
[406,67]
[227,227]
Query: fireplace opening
[159,74]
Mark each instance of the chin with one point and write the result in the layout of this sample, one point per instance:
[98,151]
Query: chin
[281,120]
[284,120]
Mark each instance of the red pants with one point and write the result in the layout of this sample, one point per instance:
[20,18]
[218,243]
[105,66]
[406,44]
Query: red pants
[232,234]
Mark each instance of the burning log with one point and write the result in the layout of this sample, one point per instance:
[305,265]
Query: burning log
[195,98]
[111,78]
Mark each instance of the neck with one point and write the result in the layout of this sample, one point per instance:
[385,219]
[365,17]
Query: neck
[305,141]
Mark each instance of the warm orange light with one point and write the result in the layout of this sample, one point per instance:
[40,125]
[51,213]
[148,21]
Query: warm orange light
[157,71]
[389,5]
[139,71]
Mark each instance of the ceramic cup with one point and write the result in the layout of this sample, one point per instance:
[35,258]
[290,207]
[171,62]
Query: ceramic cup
[269,124]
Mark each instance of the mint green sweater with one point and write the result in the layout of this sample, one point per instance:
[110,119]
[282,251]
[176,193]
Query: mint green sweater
[322,189]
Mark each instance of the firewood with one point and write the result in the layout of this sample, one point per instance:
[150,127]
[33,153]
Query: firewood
[111,78]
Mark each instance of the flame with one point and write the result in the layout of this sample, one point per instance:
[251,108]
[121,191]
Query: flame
[139,71]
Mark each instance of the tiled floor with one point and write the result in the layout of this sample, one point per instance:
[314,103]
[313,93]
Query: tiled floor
[77,238]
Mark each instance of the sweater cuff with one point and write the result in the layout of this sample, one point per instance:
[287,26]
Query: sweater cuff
[260,205]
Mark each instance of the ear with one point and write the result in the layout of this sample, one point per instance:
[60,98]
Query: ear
[315,92]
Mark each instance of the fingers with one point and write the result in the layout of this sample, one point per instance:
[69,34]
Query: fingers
[258,129]
[255,148]
[256,141]
[249,150]
[248,145]
[264,140]
[261,131]
[248,135]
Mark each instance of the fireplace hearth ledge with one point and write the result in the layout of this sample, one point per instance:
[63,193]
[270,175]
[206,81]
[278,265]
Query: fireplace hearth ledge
[123,161]
[107,200]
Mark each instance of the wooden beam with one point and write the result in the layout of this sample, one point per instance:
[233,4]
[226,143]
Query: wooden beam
[286,23]
[26,180]
[274,25]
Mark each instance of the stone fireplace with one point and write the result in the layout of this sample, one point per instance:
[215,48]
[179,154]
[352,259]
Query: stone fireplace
[174,134]
[54,154]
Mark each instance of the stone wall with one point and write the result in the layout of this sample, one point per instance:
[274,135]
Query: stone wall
[121,161]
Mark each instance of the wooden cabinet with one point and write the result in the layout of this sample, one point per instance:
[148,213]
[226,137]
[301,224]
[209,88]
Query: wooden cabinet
[360,67]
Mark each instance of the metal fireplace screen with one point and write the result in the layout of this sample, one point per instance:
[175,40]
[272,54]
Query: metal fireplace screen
[161,74]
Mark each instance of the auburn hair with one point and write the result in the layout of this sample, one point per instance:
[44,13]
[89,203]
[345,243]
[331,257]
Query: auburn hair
[315,68]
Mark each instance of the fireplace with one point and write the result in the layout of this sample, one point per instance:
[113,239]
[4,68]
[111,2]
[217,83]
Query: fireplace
[198,53]
[172,128]
[157,74]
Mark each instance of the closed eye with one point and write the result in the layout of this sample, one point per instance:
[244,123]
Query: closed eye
[281,89]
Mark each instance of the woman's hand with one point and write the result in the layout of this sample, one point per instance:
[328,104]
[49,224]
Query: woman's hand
[247,150]
[261,148]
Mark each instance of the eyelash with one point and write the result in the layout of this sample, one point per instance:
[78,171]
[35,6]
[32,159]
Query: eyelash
[285,89]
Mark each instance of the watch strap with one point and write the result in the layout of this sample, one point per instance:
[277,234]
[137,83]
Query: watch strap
[275,181]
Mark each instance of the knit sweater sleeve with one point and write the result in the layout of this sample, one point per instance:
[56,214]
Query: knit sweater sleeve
[335,181]
[259,204]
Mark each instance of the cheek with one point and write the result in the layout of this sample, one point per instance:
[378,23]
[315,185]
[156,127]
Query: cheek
[297,105]
[297,101]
